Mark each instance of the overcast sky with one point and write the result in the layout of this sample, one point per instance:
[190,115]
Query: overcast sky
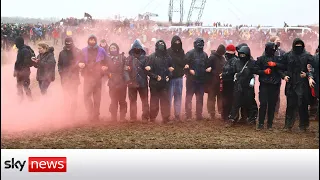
[267,12]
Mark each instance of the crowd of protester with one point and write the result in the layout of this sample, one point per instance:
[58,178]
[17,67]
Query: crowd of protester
[218,63]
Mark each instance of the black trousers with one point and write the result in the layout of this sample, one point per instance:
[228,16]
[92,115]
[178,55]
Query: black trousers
[92,96]
[268,96]
[214,95]
[227,99]
[242,99]
[297,102]
[143,93]
[23,83]
[118,98]
[159,96]
[198,90]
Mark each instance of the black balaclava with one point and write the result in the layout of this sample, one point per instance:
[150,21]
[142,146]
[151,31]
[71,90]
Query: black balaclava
[229,55]
[116,52]
[298,49]
[161,49]
[198,44]
[278,44]
[270,49]
[244,50]
[68,43]
[174,45]
[19,41]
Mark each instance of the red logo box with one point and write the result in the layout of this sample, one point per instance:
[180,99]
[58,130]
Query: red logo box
[47,164]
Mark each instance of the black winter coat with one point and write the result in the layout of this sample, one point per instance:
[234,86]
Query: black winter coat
[68,65]
[46,66]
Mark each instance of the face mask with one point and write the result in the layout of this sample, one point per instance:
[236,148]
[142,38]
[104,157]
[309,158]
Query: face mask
[200,45]
[298,49]
[176,46]
[161,47]
[243,57]
[270,52]
[137,51]
[228,56]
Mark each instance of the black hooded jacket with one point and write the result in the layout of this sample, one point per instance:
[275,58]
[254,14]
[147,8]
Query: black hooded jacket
[23,61]
[116,67]
[68,66]
[295,63]
[178,58]
[136,75]
[216,62]
[197,60]
[262,64]
[243,78]
[159,63]
[227,70]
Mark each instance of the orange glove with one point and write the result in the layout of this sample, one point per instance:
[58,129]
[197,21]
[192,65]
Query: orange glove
[267,71]
[272,64]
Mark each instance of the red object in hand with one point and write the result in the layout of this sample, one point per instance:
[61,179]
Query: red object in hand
[267,71]
[272,64]
[313,92]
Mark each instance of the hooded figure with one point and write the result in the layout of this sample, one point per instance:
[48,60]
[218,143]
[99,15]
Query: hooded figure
[244,69]
[93,65]
[297,87]
[267,67]
[216,62]
[176,52]
[69,73]
[22,67]
[197,64]
[137,80]
[160,74]
[117,85]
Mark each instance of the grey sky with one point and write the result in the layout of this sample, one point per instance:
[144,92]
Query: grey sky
[264,12]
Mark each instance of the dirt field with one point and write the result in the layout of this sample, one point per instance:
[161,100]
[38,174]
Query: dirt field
[205,134]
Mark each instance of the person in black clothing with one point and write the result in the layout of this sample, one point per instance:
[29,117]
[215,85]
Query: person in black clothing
[296,89]
[93,65]
[227,78]
[116,83]
[176,83]
[216,62]
[250,113]
[69,73]
[197,69]
[160,65]
[244,69]
[22,68]
[267,68]
[137,80]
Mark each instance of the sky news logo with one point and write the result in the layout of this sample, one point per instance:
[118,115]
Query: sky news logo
[38,164]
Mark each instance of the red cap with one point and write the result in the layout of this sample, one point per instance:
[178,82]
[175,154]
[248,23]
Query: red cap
[230,48]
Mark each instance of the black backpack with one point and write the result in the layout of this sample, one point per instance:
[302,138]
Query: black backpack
[29,61]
